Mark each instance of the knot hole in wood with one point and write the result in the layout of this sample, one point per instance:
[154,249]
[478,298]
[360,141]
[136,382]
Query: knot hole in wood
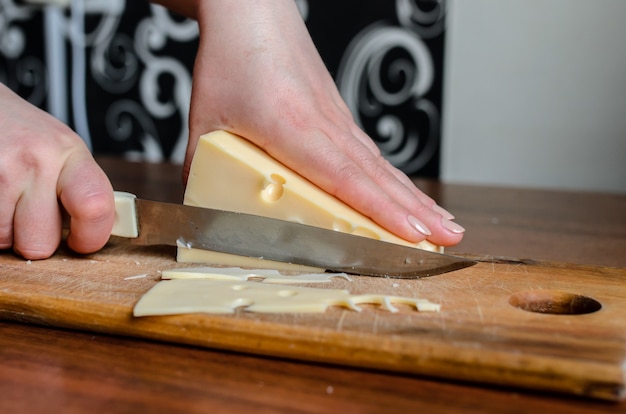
[554,302]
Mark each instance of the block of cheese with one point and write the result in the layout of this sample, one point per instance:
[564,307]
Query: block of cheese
[230,173]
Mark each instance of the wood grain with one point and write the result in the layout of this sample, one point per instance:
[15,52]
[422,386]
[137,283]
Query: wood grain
[561,226]
[57,370]
[479,336]
[54,370]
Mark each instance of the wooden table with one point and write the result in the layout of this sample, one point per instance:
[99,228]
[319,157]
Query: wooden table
[52,370]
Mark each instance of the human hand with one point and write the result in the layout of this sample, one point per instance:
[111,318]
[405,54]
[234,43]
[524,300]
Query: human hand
[258,74]
[43,165]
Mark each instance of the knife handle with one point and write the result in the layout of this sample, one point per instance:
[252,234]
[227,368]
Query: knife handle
[126,223]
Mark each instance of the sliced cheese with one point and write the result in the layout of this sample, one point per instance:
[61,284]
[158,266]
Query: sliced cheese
[183,296]
[230,173]
[236,273]
[186,254]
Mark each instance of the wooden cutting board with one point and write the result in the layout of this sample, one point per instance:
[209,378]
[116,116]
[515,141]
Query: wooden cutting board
[572,338]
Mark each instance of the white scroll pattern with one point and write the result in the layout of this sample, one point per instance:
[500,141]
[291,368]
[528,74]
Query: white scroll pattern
[385,72]
[28,73]
[375,82]
[120,63]
[151,35]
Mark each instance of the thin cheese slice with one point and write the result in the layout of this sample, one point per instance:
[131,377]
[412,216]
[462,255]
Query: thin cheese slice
[186,254]
[236,273]
[230,173]
[184,296]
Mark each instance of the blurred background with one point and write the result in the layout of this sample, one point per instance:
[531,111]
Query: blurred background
[535,94]
[516,93]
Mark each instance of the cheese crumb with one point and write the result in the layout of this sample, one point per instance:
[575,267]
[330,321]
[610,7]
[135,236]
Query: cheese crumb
[136,277]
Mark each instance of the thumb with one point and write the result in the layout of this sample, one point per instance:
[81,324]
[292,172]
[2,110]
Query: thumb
[191,149]
[87,196]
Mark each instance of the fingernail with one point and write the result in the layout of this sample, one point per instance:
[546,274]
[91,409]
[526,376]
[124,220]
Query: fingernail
[444,213]
[452,226]
[419,226]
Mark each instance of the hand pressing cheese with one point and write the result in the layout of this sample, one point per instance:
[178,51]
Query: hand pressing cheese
[230,173]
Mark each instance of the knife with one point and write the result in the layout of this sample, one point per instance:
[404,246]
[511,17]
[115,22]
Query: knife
[156,223]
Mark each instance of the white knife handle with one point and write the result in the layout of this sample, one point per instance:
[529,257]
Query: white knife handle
[126,224]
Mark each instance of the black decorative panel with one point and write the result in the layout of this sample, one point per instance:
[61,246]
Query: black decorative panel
[121,75]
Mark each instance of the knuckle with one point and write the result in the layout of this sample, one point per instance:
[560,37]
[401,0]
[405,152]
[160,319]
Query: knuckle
[97,207]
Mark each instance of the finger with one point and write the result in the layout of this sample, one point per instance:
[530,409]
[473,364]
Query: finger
[400,188]
[402,178]
[354,175]
[8,201]
[356,187]
[435,218]
[87,196]
[438,219]
[191,149]
[330,168]
[37,223]
[424,198]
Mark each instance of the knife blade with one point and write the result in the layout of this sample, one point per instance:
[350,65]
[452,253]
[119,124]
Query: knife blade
[156,223]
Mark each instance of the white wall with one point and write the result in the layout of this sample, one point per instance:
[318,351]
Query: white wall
[535,94]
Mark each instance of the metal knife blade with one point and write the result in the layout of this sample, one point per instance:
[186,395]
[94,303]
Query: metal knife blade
[158,223]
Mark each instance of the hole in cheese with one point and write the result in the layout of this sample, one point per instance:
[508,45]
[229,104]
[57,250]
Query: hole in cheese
[241,303]
[278,179]
[272,192]
[286,293]
[239,287]
[365,232]
[342,225]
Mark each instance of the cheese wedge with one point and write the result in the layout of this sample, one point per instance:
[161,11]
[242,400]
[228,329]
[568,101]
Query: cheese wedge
[230,173]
